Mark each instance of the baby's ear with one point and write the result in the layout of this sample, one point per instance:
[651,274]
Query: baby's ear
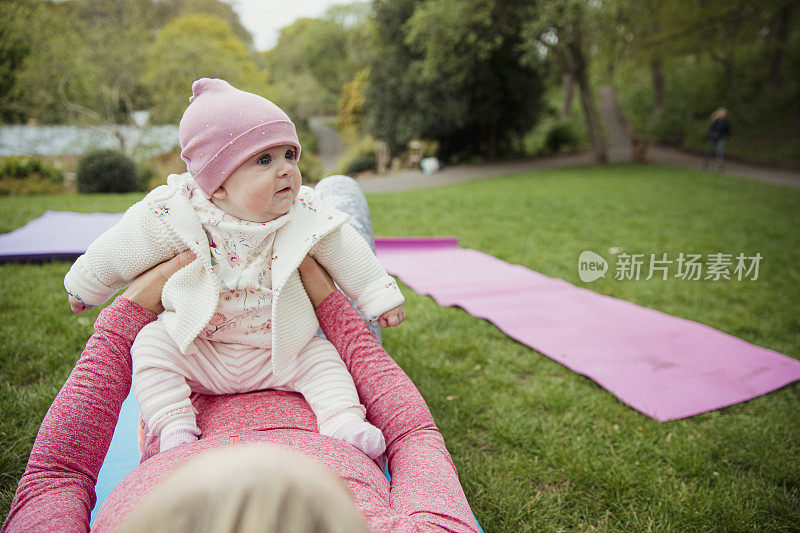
[220,194]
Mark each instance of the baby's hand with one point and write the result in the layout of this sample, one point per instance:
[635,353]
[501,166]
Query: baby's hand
[392,317]
[78,306]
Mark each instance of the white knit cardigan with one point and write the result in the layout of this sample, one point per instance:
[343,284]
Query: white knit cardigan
[164,224]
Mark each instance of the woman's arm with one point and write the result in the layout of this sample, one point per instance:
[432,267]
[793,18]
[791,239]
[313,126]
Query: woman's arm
[425,483]
[56,492]
[369,285]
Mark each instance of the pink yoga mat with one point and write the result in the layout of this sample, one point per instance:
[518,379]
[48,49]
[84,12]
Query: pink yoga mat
[663,366]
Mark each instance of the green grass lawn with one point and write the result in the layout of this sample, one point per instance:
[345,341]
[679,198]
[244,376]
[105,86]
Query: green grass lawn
[538,447]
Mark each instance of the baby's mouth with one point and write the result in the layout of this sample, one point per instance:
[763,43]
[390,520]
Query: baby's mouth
[285,190]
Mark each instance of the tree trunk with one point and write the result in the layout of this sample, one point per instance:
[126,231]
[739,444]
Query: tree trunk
[593,121]
[780,27]
[569,94]
[493,135]
[730,79]
[657,71]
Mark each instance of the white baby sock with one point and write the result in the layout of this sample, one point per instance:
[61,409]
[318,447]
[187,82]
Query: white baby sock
[176,437]
[363,436]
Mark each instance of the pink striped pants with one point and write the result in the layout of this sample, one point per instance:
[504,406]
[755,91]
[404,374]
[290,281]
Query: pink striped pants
[163,378]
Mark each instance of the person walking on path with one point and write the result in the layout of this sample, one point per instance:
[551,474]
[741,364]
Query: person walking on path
[718,131]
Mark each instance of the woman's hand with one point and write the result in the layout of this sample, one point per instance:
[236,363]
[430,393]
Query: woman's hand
[146,289]
[317,282]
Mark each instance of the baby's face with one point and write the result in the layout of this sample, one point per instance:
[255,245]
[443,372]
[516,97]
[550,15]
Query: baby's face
[263,188]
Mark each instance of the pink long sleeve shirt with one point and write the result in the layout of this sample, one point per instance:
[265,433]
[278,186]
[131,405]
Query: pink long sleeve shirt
[56,492]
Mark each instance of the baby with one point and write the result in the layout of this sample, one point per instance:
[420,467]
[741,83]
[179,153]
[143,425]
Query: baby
[237,318]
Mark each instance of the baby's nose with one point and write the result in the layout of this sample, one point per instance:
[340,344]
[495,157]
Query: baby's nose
[284,167]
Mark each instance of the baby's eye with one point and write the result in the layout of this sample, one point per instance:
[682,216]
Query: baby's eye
[264,159]
[290,153]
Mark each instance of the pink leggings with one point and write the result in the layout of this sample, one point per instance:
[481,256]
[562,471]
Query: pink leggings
[163,378]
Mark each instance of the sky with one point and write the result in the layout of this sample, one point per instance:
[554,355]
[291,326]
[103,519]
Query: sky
[265,18]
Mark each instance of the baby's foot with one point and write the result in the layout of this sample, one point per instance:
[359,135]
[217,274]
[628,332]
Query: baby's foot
[363,436]
[175,438]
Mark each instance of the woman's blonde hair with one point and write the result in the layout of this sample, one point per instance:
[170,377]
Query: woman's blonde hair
[721,112]
[246,489]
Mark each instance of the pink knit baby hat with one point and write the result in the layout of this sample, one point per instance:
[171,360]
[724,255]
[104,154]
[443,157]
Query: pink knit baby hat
[223,127]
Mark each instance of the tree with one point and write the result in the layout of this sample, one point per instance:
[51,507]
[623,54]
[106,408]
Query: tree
[14,47]
[748,40]
[215,8]
[779,32]
[350,114]
[192,47]
[348,15]
[354,18]
[82,61]
[55,71]
[301,96]
[314,52]
[563,29]
[450,71]
[116,35]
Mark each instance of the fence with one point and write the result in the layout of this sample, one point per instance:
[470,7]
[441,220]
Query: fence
[58,140]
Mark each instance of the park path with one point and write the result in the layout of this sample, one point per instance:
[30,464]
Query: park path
[329,144]
[619,150]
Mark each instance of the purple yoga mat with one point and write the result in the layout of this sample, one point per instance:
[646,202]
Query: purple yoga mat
[55,235]
[663,366]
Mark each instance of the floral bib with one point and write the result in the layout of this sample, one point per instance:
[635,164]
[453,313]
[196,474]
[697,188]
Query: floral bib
[241,256]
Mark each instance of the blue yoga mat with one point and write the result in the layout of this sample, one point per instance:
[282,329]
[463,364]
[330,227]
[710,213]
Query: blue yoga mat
[123,454]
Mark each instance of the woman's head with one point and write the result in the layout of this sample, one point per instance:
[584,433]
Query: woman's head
[719,114]
[248,489]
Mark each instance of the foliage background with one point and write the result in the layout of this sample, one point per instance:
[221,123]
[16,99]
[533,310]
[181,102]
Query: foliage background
[478,78]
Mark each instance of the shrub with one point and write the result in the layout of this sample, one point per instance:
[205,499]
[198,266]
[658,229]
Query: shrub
[29,185]
[670,127]
[430,148]
[311,167]
[29,175]
[560,136]
[307,139]
[105,171]
[359,157]
[19,167]
[146,176]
